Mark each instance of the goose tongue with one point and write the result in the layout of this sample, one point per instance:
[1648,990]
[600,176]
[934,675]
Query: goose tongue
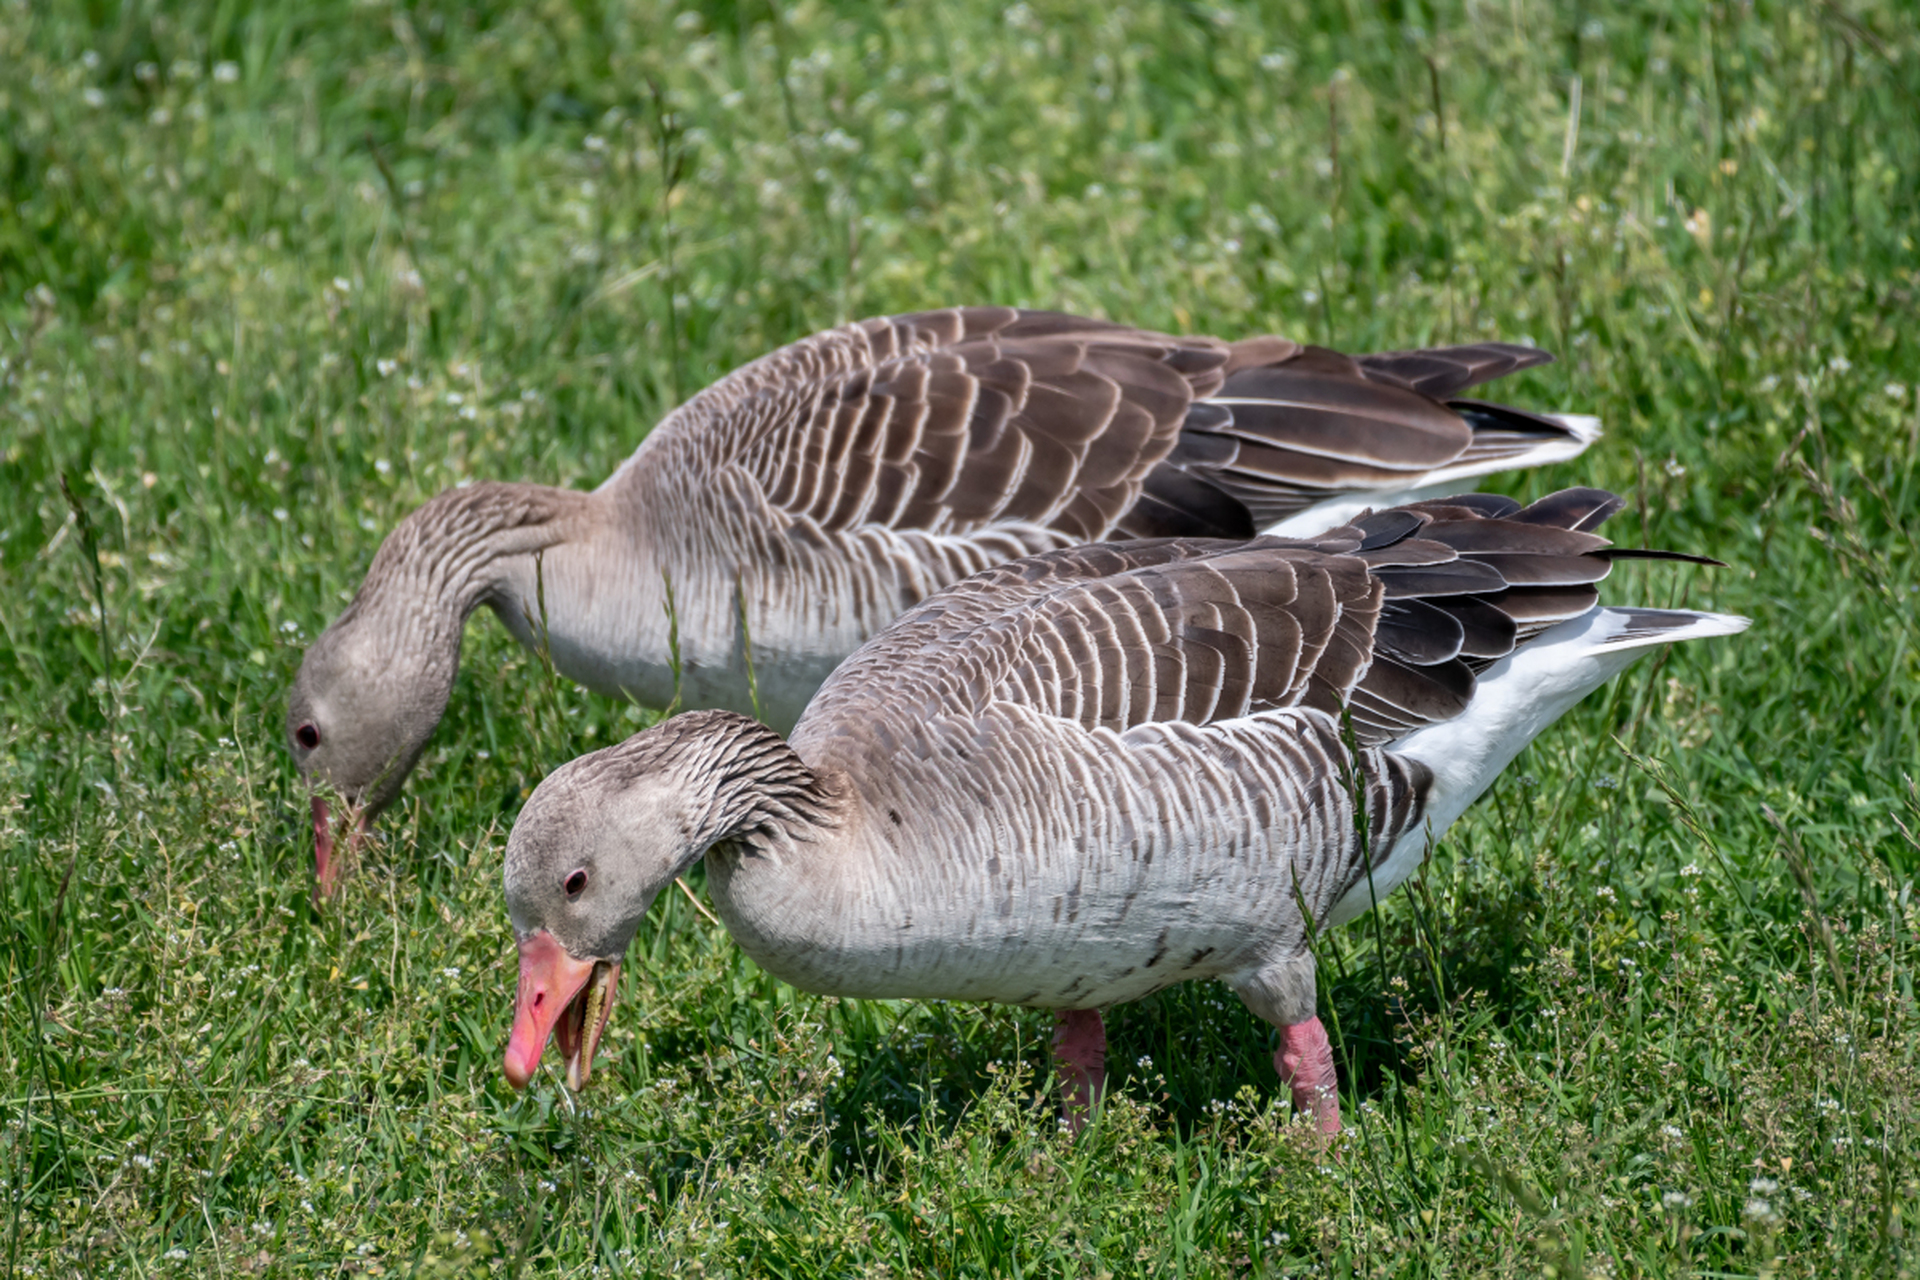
[558,993]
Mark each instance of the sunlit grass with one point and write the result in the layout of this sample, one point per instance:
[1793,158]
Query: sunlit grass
[272,275]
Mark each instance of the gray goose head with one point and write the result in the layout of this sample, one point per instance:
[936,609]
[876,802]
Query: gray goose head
[604,834]
[373,686]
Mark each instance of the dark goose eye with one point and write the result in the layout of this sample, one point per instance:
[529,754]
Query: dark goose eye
[307,735]
[576,882]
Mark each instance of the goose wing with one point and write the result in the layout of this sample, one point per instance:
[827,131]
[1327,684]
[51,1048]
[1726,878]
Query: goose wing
[1292,429]
[958,420]
[1384,622]
[951,421]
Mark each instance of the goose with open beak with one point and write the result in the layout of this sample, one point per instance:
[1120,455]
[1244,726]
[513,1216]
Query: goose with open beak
[1081,777]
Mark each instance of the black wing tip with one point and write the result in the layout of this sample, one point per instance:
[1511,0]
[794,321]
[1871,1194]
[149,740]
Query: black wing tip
[1648,553]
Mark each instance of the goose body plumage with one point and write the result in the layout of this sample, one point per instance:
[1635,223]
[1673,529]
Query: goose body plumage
[1077,778]
[786,514]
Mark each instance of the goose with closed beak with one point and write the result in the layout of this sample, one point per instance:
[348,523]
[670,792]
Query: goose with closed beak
[783,516]
[1077,778]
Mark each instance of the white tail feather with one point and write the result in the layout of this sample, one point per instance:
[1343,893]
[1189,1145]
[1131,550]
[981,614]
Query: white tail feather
[1513,701]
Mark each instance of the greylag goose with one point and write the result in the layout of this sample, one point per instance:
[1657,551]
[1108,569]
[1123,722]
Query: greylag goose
[794,508]
[1074,779]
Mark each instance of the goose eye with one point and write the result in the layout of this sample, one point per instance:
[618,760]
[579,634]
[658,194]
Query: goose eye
[307,735]
[576,882]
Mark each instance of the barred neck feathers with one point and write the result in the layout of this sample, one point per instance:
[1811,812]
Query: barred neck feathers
[743,781]
[449,553]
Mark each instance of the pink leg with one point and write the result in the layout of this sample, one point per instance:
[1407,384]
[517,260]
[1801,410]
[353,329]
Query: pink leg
[1305,1061]
[1080,1056]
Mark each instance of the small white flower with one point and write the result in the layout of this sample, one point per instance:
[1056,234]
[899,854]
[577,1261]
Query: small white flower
[1691,869]
[1839,364]
[1763,1186]
[1672,1131]
[175,1254]
[1760,1210]
[93,97]
[386,367]
[1895,390]
[451,971]
[280,513]
[547,1187]
[382,465]
[1606,893]
[1673,467]
[90,59]
[226,72]
[1677,1200]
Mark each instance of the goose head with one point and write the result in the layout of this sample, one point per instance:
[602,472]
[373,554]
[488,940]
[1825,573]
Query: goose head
[599,839]
[367,697]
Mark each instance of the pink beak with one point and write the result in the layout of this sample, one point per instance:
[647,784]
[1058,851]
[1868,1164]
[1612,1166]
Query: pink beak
[558,993]
[326,872]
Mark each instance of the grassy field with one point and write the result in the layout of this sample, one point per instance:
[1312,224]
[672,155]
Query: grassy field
[272,273]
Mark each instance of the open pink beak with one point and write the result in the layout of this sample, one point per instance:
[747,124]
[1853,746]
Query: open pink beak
[558,993]
[326,871]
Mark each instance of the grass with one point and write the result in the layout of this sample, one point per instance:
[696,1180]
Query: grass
[272,274]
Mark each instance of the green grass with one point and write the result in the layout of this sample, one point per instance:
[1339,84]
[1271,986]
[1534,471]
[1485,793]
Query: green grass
[272,274]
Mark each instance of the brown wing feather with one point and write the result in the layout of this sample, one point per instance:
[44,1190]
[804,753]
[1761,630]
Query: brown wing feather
[1296,425]
[952,420]
[1386,621]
